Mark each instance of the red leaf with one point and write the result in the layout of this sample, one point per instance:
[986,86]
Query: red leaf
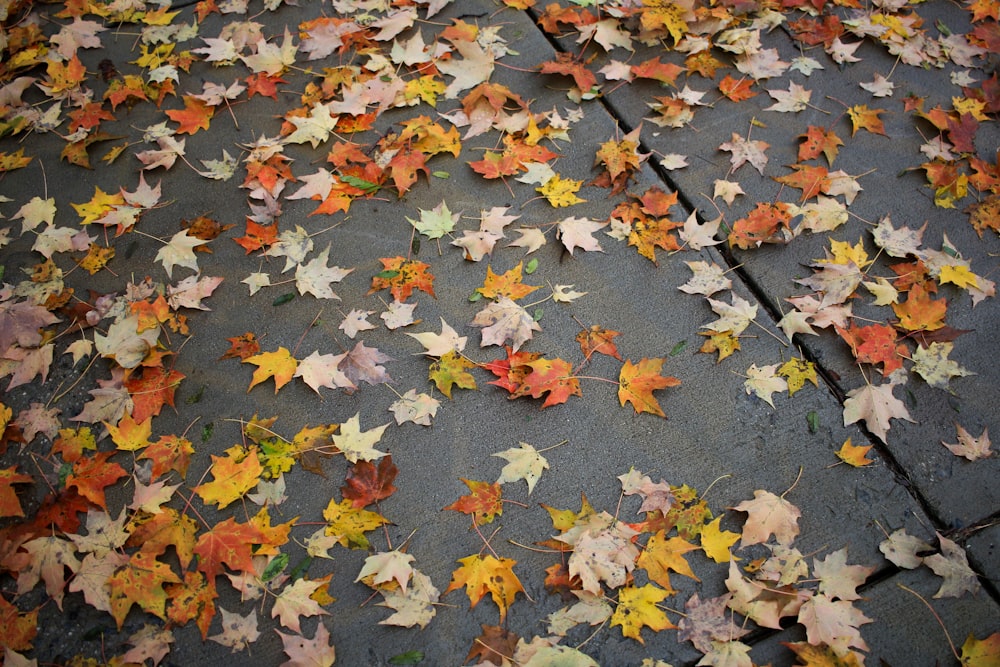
[365,484]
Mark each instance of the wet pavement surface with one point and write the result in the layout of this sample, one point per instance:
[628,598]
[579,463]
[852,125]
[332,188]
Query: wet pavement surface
[859,269]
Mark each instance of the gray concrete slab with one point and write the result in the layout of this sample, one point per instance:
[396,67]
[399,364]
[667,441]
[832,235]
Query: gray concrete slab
[887,170]
[717,438]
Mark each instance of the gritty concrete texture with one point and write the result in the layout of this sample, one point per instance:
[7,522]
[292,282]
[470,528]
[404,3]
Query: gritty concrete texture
[717,438]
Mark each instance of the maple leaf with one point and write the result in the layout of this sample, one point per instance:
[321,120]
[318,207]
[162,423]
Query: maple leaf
[902,549]
[363,363]
[597,339]
[9,503]
[864,118]
[323,370]
[48,559]
[438,345]
[278,364]
[436,222]
[768,515]
[933,365]
[402,276]
[414,407]
[348,524]
[141,582]
[233,476]
[637,382]
[561,192]
[716,542]
[303,652]
[226,544]
[578,233]
[793,100]
[315,276]
[480,574]
[637,608]
[483,502]
[819,141]
[854,455]
[705,623]
[391,568]
[366,484]
[92,475]
[744,151]
[504,320]
[179,251]
[238,632]
[525,463]
[980,652]
[953,566]
[507,284]
[764,381]
[833,622]
[837,579]
[875,405]
[413,606]
[661,555]
[294,601]
[356,444]
[196,115]
[969,446]
[450,371]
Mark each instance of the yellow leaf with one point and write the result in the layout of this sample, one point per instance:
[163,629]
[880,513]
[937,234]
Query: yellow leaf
[637,608]
[715,542]
[958,275]
[348,524]
[798,372]
[561,191]
[278,364]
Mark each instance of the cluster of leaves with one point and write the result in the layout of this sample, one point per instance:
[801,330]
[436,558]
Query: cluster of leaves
[616,572]
[119,559]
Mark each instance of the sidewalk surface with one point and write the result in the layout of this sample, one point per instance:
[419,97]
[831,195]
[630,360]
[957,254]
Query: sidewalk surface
[444,333]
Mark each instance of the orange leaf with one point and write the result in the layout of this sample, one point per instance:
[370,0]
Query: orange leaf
[227,544]
[920,312]
[154,533]
[194,599]
[737,89]
[152,390]
[483,503]
[93,474]
[17,630]
[234,475]
[597,339]
[508,284]
[637,382]
[854,455]
[811,180]
[402,276]
[566,64]
[9,504]
[554,376]
[817,141]
[242,347]
[487,574]
[195,115]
